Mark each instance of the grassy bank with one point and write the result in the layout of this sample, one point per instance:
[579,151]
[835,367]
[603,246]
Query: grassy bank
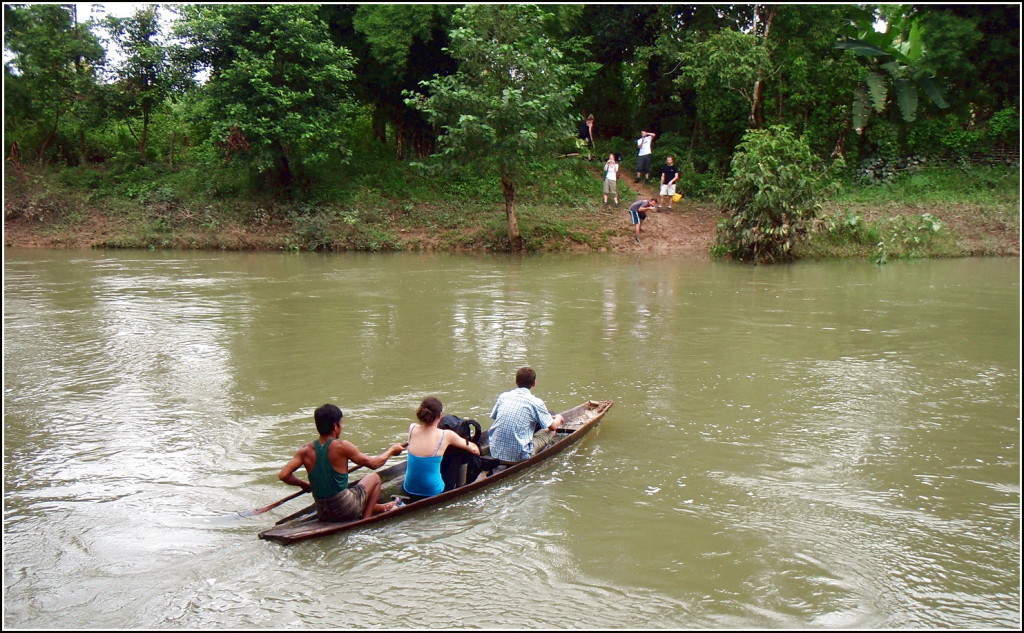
[377,203]
[395,207]
[929,212]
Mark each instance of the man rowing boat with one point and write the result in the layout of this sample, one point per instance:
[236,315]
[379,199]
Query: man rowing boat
[326,463]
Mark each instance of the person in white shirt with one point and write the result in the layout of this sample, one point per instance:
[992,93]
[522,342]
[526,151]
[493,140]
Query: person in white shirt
[611,171]
[643,156]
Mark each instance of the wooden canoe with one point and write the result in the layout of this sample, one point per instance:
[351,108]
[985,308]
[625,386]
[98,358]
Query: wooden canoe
[303,525]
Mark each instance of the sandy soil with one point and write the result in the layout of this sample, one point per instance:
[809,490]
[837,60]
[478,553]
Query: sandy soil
[686,230]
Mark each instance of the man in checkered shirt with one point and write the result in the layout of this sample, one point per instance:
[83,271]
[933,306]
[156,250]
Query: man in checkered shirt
[522,424]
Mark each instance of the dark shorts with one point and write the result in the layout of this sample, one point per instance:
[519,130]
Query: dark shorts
[637,216]
[643,164]
[347,505]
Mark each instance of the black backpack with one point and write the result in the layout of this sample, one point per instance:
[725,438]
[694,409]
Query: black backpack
[459,466]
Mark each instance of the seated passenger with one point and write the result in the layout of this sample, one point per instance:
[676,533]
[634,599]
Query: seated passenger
[427,443]
[522,424]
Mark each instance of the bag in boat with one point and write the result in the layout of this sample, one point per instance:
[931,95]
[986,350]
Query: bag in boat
[459,466]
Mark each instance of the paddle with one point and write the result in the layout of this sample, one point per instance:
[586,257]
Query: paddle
[267,508]
[271,506]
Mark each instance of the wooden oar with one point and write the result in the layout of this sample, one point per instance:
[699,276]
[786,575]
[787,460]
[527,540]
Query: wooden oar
[310,510]
[271,506]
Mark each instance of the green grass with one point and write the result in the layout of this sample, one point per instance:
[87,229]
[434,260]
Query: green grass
[983,185]
[377,203]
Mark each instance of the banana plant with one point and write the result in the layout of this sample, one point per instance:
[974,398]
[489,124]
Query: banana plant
[897,64]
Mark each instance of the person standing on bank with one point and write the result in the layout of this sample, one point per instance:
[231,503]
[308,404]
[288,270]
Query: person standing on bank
[586,134]
[611,173]
[643,156]
[427,444]
[669,176]
[326,462]
[523,426]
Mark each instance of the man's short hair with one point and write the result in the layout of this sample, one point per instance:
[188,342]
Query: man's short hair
[526,377]
[326,416]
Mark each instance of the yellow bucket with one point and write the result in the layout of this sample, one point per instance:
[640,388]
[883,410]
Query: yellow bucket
[676,197]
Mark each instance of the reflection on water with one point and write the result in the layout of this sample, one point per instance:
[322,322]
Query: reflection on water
[820,445]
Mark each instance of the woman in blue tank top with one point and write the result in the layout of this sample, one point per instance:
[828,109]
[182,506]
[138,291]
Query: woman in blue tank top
[427,444]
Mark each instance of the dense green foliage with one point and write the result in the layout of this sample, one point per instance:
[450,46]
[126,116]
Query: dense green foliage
[510,99]
[772,197]
[217,102]
[277,94]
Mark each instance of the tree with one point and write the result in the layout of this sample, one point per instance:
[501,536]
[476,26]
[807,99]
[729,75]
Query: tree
[52,70]
[898,59]
[811,91]
[511,98]
[728,60]
[145,75]
[406,44]
[278,85]
[617,33]
[976,47]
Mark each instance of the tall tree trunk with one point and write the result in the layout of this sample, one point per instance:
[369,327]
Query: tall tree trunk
[144,140]
[48,140]
[400,145]
[756,111]
[379,123]
[508,188]
[283,166]
[83,157]
[840,148]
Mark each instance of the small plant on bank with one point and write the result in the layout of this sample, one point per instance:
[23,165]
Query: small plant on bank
[899,237]
[912,237]
[773,194]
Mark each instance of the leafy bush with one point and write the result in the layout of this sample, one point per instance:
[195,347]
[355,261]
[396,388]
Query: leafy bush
[925,136]
[883,139]
[850,228]
[1004,127]
[695,184]
[959,143]
[912,236]
[774,191]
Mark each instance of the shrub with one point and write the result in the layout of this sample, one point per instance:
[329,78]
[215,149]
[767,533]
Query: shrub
[695,184]
[774,191]
[1004,127]
[911,237]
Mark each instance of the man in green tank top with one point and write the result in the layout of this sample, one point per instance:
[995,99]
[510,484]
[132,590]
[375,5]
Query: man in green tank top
[326,462]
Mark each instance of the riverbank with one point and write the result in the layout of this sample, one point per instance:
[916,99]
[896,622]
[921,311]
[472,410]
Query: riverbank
[41,212]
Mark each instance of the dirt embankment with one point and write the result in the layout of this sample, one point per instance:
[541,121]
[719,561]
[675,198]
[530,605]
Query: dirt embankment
[686,230]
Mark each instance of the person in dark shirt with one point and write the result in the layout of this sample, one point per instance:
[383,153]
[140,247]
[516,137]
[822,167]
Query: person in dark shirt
[669,176]
[586,134]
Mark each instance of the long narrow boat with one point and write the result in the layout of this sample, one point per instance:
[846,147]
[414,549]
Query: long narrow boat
[303,525]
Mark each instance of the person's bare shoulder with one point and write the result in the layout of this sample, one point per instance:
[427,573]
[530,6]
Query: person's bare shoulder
[344,447]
